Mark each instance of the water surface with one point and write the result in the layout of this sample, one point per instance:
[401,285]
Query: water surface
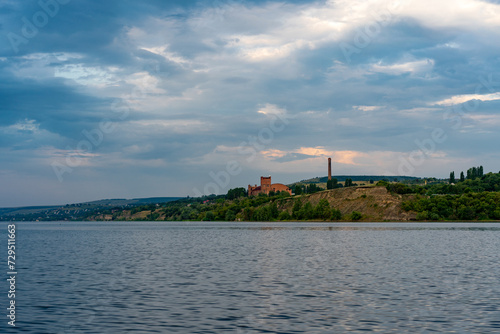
[185,277]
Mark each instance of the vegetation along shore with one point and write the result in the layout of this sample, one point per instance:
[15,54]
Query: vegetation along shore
[473,196]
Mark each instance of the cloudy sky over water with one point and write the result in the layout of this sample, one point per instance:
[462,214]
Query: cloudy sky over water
[122,99]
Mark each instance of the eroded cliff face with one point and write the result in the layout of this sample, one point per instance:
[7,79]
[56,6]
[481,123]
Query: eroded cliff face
[375,203]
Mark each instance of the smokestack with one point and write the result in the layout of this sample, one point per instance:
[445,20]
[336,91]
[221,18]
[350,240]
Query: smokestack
[329,169]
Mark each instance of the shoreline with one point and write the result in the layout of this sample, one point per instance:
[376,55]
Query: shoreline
[260,222]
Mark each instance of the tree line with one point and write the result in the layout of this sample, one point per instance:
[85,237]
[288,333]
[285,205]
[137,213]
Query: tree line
[237,205]
[472,173]
[472,197]
[469,206]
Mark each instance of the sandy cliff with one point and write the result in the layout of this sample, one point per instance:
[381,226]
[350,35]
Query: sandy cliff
[375,203]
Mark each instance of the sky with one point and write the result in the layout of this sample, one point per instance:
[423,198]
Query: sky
[127,99]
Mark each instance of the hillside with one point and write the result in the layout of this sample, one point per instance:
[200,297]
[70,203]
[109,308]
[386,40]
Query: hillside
[472,198]
[369,203]
[374,203]
[79,211]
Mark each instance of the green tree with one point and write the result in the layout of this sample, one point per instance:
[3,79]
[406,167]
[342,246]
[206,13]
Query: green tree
[283,194]
[424,215]
[452,177]
[185,213]
[284,215]
[236,193]
[153,216]
[307,211]
[355,215]
[322,210]
[336,215]
[399,188]
[462,177]
[348,182]
[296,210]
[262,214]
[312,188]
[209,216]
[230,216]
[466,213]
[332,184]
[248,214]
[382,183]
[273,210]
[297,189]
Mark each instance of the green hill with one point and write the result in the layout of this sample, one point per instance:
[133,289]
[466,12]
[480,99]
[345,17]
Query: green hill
[78,211]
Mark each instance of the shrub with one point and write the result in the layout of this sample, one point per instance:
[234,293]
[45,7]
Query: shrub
[399,188]
[382,183]
[355,215]
[322,210]
[284,215]
[307,211]
[422,215]
[230,216]
[262,214]
[209,216]
[466,213]
[336,215]
[434,216]
[296,211]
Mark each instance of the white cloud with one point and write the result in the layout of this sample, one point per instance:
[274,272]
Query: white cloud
[26,125]
[168,55]
[271,154]
[77,158]
[486,120]
[458,14]
[417,66]
[84,75]
[344,161]
[269,109]
[420,113]
[144,83]
[276,30]
[184,126]
[285,29]
[366,108]
[458,99]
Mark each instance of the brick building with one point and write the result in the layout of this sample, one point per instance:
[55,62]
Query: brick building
[266,186]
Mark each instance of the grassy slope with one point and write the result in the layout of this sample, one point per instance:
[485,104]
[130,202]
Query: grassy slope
[375,203]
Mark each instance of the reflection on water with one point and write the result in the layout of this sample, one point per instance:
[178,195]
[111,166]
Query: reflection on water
[257,277]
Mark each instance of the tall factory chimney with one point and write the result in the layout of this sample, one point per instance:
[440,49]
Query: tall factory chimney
[329,169]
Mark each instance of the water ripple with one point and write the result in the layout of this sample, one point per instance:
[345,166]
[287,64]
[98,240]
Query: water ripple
[257,278]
